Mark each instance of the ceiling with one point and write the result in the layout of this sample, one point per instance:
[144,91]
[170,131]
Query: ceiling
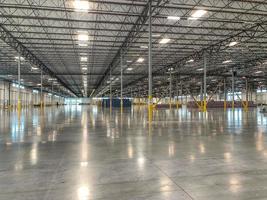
[80,49]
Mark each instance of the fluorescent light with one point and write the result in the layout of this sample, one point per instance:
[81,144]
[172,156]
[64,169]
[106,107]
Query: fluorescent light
[84,68]
[227,61]
[176,18]
[129,61]
[232,44]
[81,6]
[21,58]
[191,60]
[140,60]
[83,44]
[144,47]
[156,35]
[258,72]
[84,59]
[198,13]
[129,69]
[83,37]
[34,68]
[200,69]
[164,41]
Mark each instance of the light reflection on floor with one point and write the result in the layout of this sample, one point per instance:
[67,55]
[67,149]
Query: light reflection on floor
[80,152]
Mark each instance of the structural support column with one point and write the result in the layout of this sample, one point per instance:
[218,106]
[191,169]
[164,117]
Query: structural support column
[246,94]
[150,103]
[205,83]
[201,96]
[121,81]
[139,96]
[9,95]
[19,92]
[225,94]
[233,90]
[42,95]
[52,95]
[170,89]
[177,94]
[110,91]
[181,93]
[261,97]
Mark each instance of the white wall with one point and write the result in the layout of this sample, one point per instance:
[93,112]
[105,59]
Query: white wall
[9,96]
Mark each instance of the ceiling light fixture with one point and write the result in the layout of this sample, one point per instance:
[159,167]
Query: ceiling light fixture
[190,61]
[227,61]
[83,37]
[232,44]
[84,59]
[175,18]
[84,68]
[258,72]
[156,35]
[21,58]
[81,6]
[164,41]
[83,45]
[140,60]
[144,47]
[34,68]
[197,14]
[129,69]
[200,69]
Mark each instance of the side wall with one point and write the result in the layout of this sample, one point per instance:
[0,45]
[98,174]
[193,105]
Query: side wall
[9,96]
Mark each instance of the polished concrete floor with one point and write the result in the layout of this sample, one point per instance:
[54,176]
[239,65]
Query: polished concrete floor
[80,153]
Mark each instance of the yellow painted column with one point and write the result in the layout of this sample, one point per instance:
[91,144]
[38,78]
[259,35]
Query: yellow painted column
[205,104]
[150,108]
[19,104]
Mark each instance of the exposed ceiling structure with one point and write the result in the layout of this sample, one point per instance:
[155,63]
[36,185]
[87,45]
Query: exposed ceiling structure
[79,45]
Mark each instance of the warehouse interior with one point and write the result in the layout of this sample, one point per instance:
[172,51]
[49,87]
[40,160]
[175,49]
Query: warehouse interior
[133,99]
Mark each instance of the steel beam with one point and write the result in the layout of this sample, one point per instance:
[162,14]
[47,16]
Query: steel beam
[130,39]
[9,39]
